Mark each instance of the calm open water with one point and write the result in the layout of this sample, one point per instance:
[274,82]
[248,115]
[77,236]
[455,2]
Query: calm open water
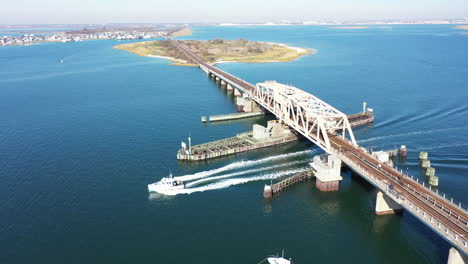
[81,140]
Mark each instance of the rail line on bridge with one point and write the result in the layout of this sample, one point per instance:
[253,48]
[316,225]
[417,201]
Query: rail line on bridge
[238,83]
[322,124]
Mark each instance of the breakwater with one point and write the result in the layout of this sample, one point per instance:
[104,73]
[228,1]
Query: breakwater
[274,134]
[232,116]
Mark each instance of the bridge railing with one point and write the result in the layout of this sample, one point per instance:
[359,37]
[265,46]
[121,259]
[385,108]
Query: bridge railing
[453,236]
[434,191]
[437,194]
[228,77]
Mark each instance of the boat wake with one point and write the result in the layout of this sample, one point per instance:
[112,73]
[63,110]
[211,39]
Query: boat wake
[208,179]
[441,146]
[261,169]
[240,164]
[230,182]
[408,134]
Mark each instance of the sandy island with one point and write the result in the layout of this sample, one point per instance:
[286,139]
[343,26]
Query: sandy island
[463,27]
[218,51]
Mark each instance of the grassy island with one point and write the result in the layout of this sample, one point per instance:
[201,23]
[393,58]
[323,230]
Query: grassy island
[218,50]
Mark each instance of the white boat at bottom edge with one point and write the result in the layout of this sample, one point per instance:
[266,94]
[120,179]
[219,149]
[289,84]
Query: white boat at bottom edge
[278,260]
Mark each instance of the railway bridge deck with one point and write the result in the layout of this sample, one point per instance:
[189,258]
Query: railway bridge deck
[329,129]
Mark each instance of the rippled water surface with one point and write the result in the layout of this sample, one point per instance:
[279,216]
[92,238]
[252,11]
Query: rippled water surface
[80,141]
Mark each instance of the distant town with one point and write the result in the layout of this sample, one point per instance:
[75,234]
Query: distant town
[33,37]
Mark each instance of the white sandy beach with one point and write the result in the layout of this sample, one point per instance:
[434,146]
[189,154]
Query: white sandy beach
[167,58]
[298,50]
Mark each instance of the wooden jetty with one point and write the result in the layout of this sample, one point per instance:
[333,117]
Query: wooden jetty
[272,190]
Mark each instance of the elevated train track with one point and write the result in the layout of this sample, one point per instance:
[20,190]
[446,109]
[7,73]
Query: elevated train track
[327,128]
[449,220]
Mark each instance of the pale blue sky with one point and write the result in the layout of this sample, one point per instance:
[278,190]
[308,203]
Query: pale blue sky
[107,11]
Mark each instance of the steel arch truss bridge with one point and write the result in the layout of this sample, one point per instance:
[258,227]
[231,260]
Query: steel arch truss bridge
[306,113]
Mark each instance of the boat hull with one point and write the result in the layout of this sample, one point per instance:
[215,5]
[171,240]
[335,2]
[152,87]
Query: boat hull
[161,188]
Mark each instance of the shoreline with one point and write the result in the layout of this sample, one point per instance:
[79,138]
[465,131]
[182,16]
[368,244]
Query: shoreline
[299,50]
[176,62]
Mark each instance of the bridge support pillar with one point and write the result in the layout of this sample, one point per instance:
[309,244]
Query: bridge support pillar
[240,103]
[229,87]
[236,92]
[254,106]
[247,104]
[455,257]
[223,82]
[385,205]
[267,192]
[217,78]
[327,171]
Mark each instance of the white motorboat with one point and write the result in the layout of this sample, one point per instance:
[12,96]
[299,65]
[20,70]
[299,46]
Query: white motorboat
[279,260]
[166,184]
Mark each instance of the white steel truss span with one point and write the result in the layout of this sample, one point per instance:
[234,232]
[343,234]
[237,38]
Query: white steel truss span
[304,112]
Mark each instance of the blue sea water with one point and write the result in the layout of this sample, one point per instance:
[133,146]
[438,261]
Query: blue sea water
[80,141]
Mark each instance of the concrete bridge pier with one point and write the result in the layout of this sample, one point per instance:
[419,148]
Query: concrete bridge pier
[236,92]
[255,107]
[217,78]
[455,257]
[223,82]
[385,205]
[246,104]
[328,172]
[267,192]
[229,87]
[239,103]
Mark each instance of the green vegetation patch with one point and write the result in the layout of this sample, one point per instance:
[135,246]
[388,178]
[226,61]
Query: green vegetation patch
[219,50]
